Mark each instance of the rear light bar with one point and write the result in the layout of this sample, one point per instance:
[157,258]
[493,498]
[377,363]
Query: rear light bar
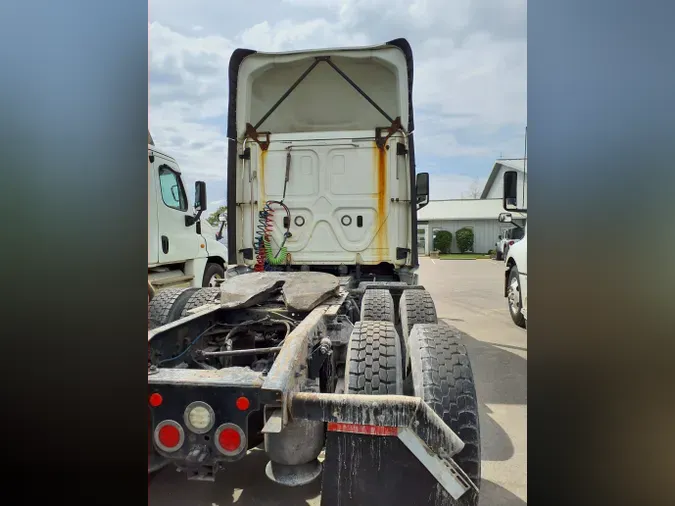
[169,436]
[230,440]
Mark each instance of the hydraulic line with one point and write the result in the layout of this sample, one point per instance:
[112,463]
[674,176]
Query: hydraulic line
[265,255]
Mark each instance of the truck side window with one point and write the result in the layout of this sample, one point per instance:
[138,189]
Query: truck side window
[173,193]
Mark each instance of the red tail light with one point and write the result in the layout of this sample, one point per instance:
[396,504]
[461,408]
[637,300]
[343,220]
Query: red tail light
[156,400]
[169,436]
[511,243]
[230,439]
[242,403]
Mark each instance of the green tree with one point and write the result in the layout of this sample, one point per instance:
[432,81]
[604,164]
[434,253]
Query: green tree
[443,241]
[213,217]
[464,237]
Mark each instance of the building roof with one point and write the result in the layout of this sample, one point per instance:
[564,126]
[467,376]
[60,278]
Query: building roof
[510,163]
[464,209]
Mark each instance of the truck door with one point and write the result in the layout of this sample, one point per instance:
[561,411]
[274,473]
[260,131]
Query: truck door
[177,242]
[153,225]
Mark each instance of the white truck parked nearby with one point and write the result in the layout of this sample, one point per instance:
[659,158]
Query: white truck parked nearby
[515,261]
[510,237]
[180,253]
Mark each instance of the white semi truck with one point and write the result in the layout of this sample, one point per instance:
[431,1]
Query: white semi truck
[180,253]
[325,344]
[515,261]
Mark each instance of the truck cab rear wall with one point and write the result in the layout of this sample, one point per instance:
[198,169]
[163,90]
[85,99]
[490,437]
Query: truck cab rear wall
[350,201]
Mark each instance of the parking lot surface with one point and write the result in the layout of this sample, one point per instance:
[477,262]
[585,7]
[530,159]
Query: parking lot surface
[468,295]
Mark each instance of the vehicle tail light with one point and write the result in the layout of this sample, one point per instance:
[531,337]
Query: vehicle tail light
[199,417]
[169,436]
[242,403]
[156,400]
[511,243]
[230,439]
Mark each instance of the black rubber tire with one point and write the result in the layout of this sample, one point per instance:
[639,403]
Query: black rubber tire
[377,305]
[200,298]
[212,269]
[374,360]
[167,305]
[443,378]
[415,306]
[517,317]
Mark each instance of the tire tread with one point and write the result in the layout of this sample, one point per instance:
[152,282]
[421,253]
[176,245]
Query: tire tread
[443,378]
[377,305]
[374,359]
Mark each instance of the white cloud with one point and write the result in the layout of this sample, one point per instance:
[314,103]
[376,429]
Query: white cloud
[287,35]
[453,186]
[470,72]
[481,79]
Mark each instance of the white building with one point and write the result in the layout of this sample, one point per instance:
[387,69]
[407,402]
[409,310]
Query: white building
[478,214]
[494,187]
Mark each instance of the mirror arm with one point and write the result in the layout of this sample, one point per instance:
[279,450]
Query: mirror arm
[422,202]
[191,220]
[219,234]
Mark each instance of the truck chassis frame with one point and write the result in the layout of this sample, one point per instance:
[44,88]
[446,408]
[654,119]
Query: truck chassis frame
[380,435]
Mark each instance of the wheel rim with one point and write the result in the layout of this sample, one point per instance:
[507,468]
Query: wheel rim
[514,296]
[213,283]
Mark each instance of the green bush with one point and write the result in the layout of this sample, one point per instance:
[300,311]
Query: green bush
[491,252]
[464,238]
[443,241]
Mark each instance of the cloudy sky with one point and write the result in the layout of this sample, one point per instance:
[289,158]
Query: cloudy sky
[469,89]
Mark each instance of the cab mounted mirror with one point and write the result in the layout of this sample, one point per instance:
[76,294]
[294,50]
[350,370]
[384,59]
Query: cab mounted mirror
[200,196]
[505,218]
[200,204]
[510,196]
[422,189]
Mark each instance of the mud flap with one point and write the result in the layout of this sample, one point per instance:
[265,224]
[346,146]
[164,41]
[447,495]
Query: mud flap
[387,465]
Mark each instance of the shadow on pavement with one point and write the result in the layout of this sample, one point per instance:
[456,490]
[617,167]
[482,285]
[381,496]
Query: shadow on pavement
[492,494]
[251,487]
[501,378]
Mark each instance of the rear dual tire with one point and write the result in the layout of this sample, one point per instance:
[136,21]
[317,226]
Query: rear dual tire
[374,365]
[167,305]
[442,376]
[440,373]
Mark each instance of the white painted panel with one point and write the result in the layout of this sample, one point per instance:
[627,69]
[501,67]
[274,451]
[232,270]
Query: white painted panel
[342,189]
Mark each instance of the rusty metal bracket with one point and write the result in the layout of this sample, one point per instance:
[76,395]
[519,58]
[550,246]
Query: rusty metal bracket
[254,135]
[392,129]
